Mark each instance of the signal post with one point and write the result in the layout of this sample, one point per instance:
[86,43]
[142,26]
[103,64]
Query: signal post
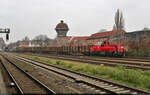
[7,31]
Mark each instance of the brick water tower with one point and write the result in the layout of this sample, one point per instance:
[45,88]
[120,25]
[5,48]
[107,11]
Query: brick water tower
[61,29]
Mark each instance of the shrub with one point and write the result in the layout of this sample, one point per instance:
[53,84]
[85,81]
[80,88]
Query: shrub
[70,65]
[58,62]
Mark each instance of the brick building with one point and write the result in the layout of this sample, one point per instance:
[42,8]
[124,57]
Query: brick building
[108,35]
[24,43]
[115,36]
[137,35]
[77,40]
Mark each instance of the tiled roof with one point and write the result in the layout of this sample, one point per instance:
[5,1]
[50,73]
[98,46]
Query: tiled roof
[76,38]
[80,38]
[104,34]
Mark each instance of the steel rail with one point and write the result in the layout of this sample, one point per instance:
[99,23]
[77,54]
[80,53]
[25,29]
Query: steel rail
[90,61]
[50,91]
[107,60]
[114,58]
[99,57]
[13,79]
[68,75]
[85,75]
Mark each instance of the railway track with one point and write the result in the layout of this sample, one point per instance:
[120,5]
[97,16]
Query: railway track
[137,59]
[104,86]
[128,63]
[124,60]
[23,81]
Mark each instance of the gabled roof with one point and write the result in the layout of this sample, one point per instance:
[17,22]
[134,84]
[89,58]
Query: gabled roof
[77,38]
[80,38]
[105,34]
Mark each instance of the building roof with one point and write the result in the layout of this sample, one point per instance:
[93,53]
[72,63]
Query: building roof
[77,38]
[105,34]
[61,25]
[139,31]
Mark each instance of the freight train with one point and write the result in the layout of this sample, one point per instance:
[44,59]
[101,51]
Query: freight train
[104,49]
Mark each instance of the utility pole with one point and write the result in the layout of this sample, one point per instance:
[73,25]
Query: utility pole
[7,31]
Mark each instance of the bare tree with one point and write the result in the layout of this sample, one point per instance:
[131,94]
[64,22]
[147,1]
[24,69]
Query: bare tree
[119,21]
[43,40]
[26,38]
[41,37]
[145,28]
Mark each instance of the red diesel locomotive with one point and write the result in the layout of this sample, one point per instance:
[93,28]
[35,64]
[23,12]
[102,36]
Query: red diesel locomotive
[109,50]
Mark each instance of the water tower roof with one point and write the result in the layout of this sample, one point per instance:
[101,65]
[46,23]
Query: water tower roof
[61,25]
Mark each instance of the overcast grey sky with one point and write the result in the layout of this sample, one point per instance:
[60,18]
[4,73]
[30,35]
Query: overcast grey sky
[84,17]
